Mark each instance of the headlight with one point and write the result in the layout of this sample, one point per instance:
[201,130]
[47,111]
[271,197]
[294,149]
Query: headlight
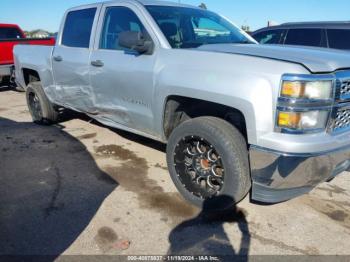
[307,89]
[303,120]
[305,103]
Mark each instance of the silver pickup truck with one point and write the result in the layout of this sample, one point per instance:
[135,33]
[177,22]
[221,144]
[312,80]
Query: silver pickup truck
[237,116]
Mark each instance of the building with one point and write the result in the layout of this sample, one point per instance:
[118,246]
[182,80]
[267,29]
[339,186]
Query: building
[38,34]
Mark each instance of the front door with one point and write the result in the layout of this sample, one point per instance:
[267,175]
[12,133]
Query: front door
[70,60]
[122,80]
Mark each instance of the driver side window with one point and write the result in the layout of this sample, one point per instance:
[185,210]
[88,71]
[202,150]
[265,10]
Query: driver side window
[118,20]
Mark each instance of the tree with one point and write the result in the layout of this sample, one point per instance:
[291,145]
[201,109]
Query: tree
[203,6]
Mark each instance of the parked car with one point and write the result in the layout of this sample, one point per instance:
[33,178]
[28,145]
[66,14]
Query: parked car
[236,116]
[320,34]
[10,36]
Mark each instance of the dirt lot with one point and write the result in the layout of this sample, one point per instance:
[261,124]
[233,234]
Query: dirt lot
[81,188]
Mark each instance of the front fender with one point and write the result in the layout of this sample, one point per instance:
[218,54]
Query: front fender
[254,99]
[248,84]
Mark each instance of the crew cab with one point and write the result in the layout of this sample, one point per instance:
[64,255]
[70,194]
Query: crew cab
[10,36]
[236,116]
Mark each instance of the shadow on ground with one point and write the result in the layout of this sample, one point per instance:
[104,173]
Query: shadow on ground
[50,189]
[69,114]
[205,234]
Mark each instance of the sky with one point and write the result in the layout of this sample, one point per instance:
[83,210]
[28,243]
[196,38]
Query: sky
[47,14]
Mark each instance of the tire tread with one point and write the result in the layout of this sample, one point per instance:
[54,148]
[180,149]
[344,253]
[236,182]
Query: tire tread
[230,138]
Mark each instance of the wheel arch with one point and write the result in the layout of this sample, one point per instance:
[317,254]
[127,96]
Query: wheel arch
[33,74]
[179,108]
[30,75]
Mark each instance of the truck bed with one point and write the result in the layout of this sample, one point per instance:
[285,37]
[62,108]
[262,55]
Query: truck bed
[6,47]
[34,57]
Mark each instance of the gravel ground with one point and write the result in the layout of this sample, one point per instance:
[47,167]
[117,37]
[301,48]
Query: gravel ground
[79,188]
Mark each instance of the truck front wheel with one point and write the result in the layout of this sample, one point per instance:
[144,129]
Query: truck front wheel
[40,108]
[208,158]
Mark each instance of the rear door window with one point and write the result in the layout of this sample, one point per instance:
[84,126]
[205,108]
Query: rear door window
[306,37]
[270,36]
[339,38]
[10,33]
[78,27]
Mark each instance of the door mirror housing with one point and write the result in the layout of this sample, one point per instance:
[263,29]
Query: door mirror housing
[136,41]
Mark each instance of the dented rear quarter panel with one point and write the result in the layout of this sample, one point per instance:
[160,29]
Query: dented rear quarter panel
[37,58]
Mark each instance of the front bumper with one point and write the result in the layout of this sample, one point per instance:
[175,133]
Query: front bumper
[279,176]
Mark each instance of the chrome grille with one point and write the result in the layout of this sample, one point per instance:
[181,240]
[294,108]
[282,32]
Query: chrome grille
[341,120]
[345,89]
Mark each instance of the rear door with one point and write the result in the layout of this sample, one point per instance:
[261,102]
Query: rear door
[123,80]
[339,38]
[306,37]
[70,61]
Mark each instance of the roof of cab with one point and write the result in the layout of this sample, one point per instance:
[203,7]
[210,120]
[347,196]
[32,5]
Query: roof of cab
[142,2]
[9,25]
[164,3]
[320,24]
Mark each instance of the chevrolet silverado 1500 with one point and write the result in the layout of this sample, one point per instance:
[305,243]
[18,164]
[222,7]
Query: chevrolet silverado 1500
[236,116]
[10,36]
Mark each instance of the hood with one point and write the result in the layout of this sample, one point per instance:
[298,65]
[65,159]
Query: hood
[316,60]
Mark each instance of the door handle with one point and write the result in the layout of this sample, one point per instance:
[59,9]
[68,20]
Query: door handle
[58,58]
[97,63]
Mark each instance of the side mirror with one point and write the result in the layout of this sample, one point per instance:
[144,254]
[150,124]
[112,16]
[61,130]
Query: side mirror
[136,41]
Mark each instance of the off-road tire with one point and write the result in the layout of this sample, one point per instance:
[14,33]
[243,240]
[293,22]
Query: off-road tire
[232,148]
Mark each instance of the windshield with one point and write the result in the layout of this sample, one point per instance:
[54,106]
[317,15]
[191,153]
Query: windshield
[191,28]
[9,33]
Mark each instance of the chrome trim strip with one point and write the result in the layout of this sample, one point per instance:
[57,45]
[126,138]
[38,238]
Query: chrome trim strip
[285,101]
[291,131]
[308,78]
[286,154]
[303,109]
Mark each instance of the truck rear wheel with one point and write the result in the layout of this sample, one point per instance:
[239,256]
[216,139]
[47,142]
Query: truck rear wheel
[40,108]
[207,159]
